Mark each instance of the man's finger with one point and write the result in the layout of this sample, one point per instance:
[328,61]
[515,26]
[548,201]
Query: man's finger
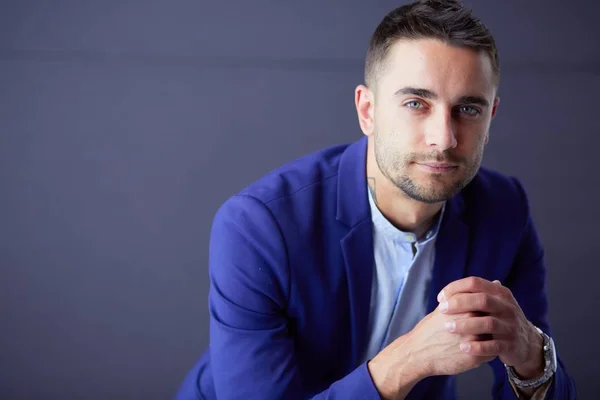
[486,348]
[477,326]
[472,284]
[474,302]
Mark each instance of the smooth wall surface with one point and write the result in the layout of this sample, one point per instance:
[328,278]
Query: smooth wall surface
[125,124]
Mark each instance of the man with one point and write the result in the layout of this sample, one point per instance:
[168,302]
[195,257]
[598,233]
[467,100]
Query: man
[383,268]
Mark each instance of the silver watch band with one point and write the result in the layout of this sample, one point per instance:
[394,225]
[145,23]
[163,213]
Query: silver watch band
[549,366]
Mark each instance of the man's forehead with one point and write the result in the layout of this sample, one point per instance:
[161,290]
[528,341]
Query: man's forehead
[437,66]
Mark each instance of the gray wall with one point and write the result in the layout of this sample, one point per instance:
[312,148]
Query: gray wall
[125,124]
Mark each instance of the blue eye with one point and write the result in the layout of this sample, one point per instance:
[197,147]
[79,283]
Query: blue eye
[471,111]
[414,104]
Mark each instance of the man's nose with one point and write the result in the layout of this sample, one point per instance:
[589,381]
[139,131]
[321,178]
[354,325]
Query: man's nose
[440,131]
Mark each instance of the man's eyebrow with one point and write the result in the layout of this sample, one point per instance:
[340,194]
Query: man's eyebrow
[474,100]
[428,94]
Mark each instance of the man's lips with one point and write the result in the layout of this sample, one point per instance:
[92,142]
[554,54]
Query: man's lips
[437,166]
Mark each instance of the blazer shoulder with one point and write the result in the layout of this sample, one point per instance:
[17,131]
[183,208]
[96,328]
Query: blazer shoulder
[309,170]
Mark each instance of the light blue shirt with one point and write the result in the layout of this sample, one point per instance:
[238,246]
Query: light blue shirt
[401,280]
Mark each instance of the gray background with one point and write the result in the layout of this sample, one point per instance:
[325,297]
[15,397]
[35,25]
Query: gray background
[125,124]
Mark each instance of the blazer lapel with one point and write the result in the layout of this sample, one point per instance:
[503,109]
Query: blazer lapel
[354,214]
[357,249]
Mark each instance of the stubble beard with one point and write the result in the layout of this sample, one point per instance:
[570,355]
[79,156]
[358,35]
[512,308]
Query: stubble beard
[438,189]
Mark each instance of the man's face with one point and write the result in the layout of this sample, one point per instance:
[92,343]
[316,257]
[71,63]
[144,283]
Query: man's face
[433,104]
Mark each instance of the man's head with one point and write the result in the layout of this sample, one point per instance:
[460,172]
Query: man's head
[431,72]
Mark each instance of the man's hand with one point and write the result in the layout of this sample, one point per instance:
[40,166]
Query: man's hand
[429,349]
[475,322]
[511,336]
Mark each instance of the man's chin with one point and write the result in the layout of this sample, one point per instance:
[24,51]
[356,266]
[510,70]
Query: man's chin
[430,195]
[431,199]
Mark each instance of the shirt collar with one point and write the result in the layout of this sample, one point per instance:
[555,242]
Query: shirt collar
[389,230]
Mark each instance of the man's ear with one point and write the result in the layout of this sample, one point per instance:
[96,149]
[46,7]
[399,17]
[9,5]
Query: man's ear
[495,106]
[363,100]
[494,111]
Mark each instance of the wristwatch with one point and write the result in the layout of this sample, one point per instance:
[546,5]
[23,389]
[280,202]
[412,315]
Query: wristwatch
[550,365]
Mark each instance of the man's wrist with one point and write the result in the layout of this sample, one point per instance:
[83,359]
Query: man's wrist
[534,366]
[527,386]
[394,374]
[392,383]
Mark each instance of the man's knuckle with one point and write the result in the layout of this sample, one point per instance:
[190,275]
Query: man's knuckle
[489,324]
[482,300]
[471,282]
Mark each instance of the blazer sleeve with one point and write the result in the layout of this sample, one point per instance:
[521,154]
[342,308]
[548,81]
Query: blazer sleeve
[251,348]
[526,280]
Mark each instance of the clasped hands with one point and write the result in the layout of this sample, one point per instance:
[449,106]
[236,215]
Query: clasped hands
[490,323]
[475,322]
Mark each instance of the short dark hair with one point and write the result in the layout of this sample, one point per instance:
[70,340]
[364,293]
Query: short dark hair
[447,20]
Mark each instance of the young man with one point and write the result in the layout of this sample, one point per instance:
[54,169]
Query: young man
[383,268]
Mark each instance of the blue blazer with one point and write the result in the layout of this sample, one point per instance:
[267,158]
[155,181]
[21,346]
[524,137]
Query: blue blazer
[291,264]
